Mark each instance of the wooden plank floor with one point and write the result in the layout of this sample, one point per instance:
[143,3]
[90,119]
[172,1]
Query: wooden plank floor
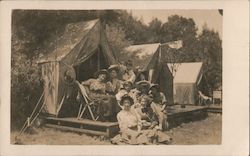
[176,116]
[214,109]
[84,121]
[108,129]
[178,110]
[80,130]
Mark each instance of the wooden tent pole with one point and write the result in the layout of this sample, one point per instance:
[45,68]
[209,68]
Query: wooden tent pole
[27,122]
[160,52]
[37,105]
[60,106]
[98,59]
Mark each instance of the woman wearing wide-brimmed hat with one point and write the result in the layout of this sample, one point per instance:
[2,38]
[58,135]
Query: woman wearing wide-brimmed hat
[143,87]
[98,92]
[98,85]
[127,88]
[130,125]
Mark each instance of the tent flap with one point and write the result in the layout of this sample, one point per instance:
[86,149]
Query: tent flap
[50,75]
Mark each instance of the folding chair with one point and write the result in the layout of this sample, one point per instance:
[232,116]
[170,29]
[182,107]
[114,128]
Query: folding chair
[88,104]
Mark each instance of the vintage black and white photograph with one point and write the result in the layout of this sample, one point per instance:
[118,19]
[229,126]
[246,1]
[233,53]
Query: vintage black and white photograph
[116,77]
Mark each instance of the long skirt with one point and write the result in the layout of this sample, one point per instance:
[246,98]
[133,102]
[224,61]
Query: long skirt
[105,106]
[162,117]
[69,108]
[146,137]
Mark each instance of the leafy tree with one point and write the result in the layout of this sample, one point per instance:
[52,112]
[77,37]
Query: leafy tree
[136,32]
[117,40]
[210,48]
[154,29]
[33,31]
[26,86]
[180,28]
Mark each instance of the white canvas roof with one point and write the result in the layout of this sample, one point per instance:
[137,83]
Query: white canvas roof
[143,49]
[187,72]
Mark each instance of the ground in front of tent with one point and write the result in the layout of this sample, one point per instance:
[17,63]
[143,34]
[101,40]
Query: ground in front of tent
[207,131]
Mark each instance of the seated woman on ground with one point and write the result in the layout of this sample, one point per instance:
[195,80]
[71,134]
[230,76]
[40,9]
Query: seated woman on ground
[146,114]
[107,107]
[158,105]
[142,88]
[131,131]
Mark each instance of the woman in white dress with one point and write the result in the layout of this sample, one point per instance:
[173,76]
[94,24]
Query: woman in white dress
[131,131]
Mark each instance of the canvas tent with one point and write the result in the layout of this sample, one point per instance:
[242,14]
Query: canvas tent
[188,80]
[82,49]
[148,58]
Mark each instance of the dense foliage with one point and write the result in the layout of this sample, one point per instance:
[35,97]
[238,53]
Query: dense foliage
[32,31]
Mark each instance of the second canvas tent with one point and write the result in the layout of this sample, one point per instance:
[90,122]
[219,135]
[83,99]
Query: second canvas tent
[148,58]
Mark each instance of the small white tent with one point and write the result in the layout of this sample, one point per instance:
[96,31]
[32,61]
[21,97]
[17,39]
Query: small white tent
[188,80]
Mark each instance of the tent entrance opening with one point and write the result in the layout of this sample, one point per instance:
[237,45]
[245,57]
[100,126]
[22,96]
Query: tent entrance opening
[89,68]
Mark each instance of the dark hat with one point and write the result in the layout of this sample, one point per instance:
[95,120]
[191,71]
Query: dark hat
[154,86]
[141,71]
[127,83]
[102,71]
[69,76]
[127,97]
[114,67]
[142,84]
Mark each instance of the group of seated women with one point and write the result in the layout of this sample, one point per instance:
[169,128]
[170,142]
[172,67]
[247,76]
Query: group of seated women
[138,124]
[137,105]
[115,82]
[103,89]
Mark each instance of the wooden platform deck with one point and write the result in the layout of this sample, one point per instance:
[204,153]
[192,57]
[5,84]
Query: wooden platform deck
[107,129]
[214,109]
[176,116]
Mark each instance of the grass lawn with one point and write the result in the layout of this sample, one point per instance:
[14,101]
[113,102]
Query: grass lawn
[203,132]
